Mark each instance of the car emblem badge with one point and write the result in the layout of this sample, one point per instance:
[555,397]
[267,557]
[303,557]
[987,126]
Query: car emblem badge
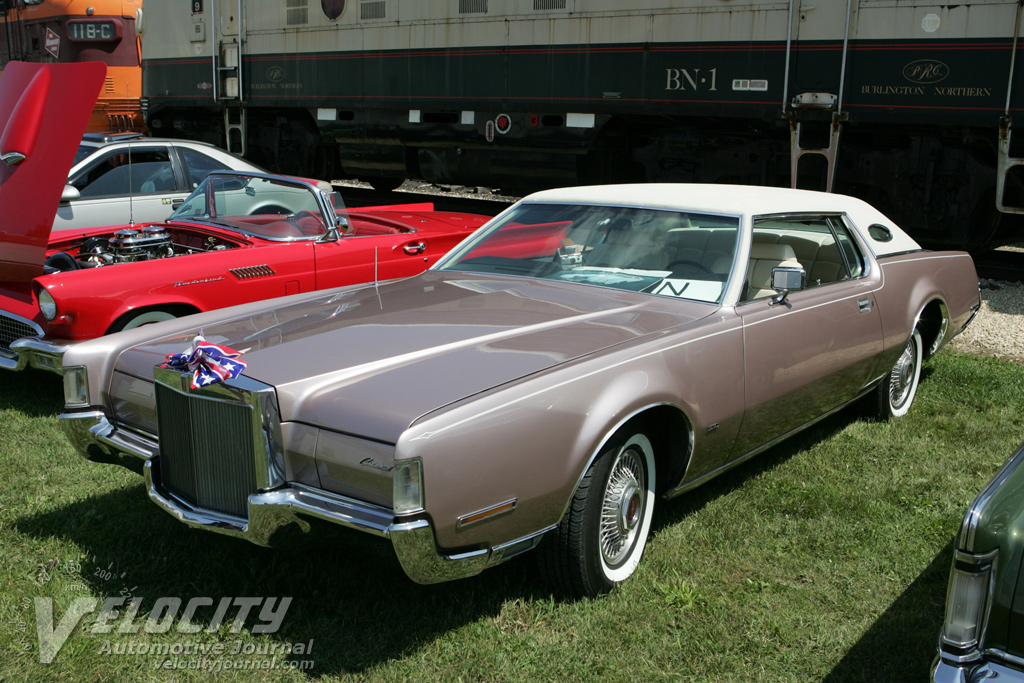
[370,462]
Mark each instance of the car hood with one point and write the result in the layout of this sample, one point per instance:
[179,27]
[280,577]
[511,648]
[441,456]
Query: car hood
[44,109]
[370,361]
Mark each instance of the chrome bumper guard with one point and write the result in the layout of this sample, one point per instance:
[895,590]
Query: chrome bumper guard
[94,435]
[946,671]
[35,352]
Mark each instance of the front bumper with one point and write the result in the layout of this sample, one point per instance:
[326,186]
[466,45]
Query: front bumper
[413,539]
[37,352]
[946,671]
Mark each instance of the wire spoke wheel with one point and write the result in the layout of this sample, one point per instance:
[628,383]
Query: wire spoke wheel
[602,536]
[896,392]
[622,506]
[903,375]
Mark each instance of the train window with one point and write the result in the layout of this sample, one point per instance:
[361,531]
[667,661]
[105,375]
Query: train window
[148,171]
[332,8]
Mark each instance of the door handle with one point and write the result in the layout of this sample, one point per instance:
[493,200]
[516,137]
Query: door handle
[415,248]
[864,305]
[175,203]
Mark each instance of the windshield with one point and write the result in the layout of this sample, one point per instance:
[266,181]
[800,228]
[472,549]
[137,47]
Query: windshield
[274,207]
[667,253]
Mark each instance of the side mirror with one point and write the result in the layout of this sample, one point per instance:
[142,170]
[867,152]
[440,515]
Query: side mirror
[336,232]
[70,194]
[786,279]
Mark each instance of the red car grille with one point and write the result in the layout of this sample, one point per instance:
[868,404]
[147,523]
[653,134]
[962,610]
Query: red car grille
[12,329]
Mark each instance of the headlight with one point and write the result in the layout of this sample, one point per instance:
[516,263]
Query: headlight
[76,386]
[47,306]
[967,600]
[408,486]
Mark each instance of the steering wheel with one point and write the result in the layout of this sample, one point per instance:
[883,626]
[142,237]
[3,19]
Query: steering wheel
[298,220]
[687,262]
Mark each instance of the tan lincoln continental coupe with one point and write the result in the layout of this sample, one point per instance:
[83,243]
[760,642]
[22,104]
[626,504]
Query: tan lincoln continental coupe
[588,351]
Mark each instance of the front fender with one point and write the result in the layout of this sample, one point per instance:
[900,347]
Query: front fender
[532,441]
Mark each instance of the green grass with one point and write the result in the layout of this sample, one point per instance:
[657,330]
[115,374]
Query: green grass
[823,559]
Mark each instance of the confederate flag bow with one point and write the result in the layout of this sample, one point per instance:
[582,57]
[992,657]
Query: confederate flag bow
[209,363]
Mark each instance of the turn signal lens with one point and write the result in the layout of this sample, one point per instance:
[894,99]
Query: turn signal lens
[76,386]
[408,486]
[966,601]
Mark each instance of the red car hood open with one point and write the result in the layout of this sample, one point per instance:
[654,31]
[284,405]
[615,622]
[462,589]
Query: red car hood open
[44,109]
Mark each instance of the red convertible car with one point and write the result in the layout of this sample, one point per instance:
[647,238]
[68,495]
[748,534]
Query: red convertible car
[239,237]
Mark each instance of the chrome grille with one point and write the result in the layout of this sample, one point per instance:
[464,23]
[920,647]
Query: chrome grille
[207,452]
[12,329]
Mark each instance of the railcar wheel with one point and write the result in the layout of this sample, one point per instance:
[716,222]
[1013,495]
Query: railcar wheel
[602,536]
[897,390]
[129,321]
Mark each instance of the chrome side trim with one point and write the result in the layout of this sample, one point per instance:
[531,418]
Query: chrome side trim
[944,671]
[1007,657]
[687,486]
[37,353]
[967,535]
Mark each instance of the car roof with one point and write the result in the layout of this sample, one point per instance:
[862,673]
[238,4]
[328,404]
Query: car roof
[733,200]
[709,198]
[100,140]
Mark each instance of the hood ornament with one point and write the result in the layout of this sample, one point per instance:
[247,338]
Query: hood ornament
[209,363]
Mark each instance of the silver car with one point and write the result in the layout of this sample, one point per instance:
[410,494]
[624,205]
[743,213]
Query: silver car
[123,177]
[585,353]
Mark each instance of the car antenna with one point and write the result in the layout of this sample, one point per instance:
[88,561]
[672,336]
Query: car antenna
[131,206]
[376,286]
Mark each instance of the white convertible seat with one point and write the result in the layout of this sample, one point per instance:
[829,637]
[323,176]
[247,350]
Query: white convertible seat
[764,257]
[623,247]
[817,252]
[699,245]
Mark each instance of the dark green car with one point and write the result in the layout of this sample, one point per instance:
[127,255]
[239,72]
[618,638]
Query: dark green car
[983,635]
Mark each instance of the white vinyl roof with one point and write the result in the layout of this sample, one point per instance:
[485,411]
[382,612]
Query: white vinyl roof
[737,200]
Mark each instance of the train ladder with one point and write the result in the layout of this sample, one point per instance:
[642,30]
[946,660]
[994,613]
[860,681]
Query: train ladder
[797,150]
[1005,161]
[234,129]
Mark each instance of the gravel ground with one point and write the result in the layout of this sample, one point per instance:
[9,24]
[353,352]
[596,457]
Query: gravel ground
[998,329]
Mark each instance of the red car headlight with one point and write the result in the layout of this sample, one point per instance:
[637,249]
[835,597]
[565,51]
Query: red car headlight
[47,306]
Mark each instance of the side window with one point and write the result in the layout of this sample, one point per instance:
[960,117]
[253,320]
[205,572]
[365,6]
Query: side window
[854,259]
[199,166]
[810,244]
[145,171]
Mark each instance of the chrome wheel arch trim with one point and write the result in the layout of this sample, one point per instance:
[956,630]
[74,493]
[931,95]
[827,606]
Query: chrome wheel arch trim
[611,432]
[942,337]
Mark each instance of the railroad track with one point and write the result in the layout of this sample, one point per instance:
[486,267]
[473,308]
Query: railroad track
[455,198]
